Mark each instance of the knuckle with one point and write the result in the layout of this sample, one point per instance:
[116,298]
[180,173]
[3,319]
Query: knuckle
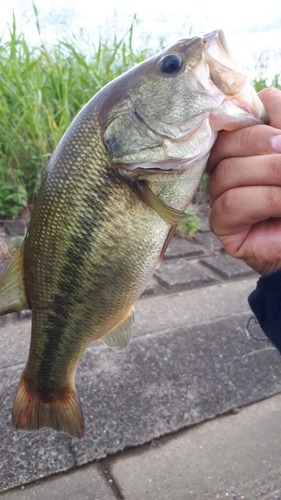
[270,197]
[224,206]
[229,201]
[221,173]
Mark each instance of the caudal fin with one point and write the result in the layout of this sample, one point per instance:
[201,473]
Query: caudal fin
[62,413]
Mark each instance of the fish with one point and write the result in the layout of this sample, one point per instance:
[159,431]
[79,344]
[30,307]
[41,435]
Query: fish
[109,203]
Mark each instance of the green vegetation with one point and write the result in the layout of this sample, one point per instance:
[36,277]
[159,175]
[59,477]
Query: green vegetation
[262,81]
[42,89]
[191,224]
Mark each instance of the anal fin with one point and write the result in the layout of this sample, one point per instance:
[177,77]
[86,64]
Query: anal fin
[120,335]
[12,289]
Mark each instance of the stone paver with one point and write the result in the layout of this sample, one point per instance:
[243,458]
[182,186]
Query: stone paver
[234,457]
[180,275]
[209,240]
[227,267]
[86,483]
[180,247]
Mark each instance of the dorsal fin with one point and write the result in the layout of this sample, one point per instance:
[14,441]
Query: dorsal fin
[119,337]
[12,289]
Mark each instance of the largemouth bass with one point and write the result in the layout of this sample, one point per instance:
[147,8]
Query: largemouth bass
[110,199]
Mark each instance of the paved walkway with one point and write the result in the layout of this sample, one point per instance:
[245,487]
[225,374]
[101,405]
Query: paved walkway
[190,411]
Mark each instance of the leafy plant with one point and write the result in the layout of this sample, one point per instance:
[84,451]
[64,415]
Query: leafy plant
[13,197]
[191,224]
[42,88]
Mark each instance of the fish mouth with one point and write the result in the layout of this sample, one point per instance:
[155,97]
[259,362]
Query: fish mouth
[228,86]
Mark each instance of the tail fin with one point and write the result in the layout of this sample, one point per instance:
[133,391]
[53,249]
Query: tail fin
[62,413]
[12,289]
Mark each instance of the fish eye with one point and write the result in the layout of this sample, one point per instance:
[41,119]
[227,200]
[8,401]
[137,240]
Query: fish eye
[171,64]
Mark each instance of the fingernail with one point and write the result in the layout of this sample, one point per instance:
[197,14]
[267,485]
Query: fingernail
[276,143]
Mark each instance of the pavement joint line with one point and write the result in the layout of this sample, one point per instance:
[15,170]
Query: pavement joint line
[107,475]
[165,438]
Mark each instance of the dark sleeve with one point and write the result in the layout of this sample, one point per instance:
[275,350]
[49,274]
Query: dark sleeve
[265,302]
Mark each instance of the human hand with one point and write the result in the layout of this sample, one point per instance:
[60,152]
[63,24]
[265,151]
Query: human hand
[245,189]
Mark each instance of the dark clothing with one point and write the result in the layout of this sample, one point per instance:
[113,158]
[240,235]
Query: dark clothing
[265,302]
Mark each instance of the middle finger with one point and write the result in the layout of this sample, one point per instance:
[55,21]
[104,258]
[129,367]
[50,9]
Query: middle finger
[247,171]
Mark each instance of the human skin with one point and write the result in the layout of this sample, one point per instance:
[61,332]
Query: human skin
[245,189]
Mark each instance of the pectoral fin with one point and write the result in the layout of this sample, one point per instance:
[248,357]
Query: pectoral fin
[119,337]
[12,289]
[168,214]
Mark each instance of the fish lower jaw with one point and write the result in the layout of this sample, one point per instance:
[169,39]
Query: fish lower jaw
[232,116]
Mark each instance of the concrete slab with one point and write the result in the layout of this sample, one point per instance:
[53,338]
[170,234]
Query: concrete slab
[15,338]
[87,483]
[181,275]
[178,370]
[235,457]
[169,312]
[168,381]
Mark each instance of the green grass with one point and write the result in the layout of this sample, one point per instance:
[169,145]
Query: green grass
[42,88]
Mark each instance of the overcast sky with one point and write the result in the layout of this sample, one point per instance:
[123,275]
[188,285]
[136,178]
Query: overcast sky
[248,28]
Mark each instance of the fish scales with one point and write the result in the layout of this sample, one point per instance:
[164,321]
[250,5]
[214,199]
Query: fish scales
[83,283]
[110,199]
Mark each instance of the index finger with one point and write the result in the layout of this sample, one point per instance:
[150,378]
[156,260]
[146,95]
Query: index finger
[271,99]
[249,141]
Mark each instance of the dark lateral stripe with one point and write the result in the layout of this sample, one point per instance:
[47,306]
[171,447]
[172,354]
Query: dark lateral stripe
[56,345]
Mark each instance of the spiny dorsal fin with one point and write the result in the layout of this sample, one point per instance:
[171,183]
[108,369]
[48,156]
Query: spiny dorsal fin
[119,337]
[168,214]
[12,289]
